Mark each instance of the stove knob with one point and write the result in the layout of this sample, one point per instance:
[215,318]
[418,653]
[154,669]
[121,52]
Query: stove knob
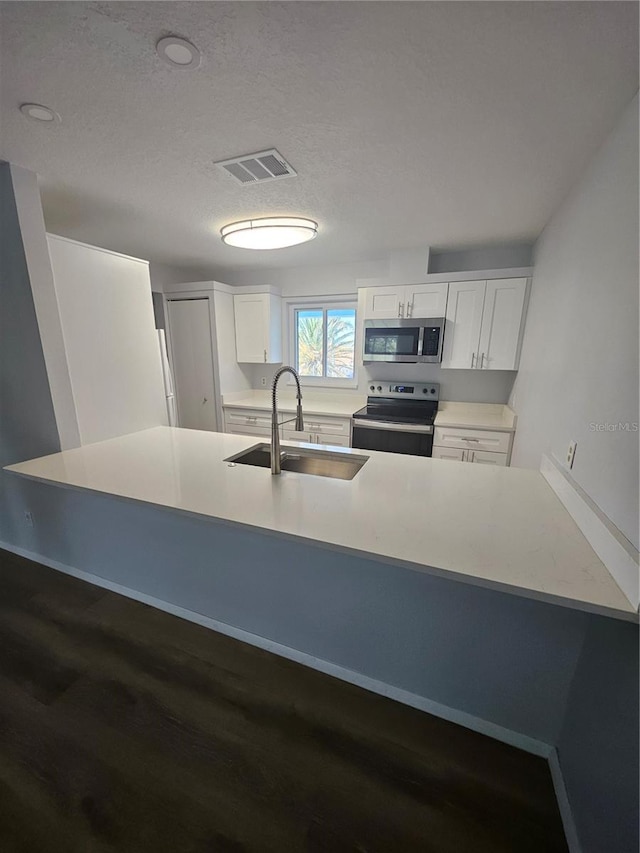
[379,387]
[425,391]
[372,387]
[433,390]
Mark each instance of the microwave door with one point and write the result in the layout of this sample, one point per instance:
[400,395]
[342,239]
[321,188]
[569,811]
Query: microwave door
[391,343]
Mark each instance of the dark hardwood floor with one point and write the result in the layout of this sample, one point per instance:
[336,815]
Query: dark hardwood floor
[123,728]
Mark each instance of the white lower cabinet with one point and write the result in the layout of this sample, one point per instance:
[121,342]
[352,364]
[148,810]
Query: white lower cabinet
[322,430]
[247,422]
[317,430]
[483,447]
[451,453]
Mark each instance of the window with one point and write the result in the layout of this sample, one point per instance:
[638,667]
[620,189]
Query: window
[324,342]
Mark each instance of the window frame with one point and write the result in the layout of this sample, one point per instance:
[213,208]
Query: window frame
[324,304]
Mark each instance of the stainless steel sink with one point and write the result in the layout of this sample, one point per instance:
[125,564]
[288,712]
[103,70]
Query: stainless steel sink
[321,463]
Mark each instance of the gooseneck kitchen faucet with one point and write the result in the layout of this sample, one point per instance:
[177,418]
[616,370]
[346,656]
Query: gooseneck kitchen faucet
[275,435]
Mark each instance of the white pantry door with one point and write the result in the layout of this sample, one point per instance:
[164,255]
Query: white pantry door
[501,324]
[192,351]
[462,329]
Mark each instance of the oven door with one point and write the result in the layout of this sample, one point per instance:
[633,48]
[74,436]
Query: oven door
[391,341]
[412,439]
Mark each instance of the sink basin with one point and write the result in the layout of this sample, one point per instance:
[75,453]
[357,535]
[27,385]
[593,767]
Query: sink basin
[321,463]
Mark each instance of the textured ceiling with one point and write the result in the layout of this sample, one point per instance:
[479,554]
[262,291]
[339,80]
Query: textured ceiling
[436,123]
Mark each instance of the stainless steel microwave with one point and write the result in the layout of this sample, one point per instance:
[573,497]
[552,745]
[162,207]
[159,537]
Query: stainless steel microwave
[404,341]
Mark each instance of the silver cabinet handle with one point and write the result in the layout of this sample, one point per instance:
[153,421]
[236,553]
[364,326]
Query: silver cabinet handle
[251,420]
[470,439]
[464,455]
[265,356]
[400,308]
[473,456]
[409,309]
[482,360]
[473,358]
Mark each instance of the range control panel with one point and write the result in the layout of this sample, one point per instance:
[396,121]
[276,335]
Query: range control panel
[406,390]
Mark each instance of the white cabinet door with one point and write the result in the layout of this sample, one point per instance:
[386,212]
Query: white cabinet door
[252,323]
[464,319]
[192,355]
[384,303]
[448,453]
[258,322]
[485,457]
[426,300]
[501,324]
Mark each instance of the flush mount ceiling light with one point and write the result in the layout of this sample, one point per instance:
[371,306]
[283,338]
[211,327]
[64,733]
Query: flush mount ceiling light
[39,113]
[272,232]
[178,52]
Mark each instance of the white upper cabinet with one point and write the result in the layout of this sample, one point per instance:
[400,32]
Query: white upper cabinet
[403,301]
[484,324]
[502,318]
[258,321]
[463,323]
[384,303]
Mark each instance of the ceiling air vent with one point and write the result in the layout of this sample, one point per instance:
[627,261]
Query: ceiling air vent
[257,168]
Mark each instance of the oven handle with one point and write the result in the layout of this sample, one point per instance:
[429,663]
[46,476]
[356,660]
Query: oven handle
[415,428]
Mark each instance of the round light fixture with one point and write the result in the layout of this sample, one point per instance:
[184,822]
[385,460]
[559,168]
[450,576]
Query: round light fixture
[39,113]
[178,52]
[270,232]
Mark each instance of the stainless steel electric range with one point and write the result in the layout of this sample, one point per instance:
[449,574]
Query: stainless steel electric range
[398,418]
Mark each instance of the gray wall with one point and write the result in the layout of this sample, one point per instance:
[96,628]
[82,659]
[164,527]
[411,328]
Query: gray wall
[579,364]
[501,658]
[27,421]
[598,747]
[481,258]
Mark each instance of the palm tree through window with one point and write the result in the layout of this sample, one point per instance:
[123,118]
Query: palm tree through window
[325,342]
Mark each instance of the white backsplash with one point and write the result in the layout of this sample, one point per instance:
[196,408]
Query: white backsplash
[465,386]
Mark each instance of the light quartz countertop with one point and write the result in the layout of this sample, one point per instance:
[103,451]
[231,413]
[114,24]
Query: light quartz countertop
[502,528]
[470,415]
[312,404]
[476,416]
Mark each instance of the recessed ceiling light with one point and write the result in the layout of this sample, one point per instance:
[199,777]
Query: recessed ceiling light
[273,232]
[39,113]
[178,52]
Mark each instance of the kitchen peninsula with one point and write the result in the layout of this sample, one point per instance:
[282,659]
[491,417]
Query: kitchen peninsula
[433,583]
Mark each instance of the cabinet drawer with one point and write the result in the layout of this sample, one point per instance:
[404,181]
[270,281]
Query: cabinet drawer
[472,439]
[484,457]
[246,418]
[249,430]
[327,426]
[316,438]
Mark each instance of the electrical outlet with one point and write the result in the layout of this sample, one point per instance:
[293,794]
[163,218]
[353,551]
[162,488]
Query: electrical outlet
[263,380]
[571,453]
[28,518]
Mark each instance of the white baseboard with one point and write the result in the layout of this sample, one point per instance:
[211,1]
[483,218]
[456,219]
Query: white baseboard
[614,549]
[469,721]
[564,805]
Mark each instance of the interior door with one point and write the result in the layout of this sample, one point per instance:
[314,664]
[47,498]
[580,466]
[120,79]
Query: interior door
[192,352]
[463,322]
[426,300]
[501,323]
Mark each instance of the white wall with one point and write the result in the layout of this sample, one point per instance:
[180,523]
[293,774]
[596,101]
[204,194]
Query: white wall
[579,364]
[28,426]
[106,315]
